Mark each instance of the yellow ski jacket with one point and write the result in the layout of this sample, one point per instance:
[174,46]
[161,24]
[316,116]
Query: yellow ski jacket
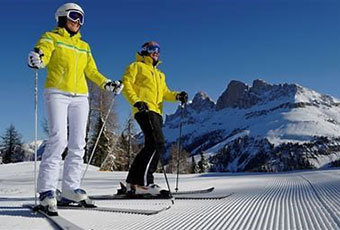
[144,82]
[68,59]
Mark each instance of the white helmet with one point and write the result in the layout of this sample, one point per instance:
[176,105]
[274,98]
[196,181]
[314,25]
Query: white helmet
[64,9]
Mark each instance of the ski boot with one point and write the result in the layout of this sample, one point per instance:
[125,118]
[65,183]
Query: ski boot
[155,190]
[138,191]
[123,189]
[128,189]
[152,190]
[48,203]
[77,197]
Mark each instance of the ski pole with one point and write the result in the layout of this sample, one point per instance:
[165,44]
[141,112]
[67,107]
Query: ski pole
[97,140]
[167,183]
[179,144]
[165,176]
[35,133]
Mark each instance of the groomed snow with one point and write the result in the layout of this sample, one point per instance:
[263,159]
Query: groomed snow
[295,200]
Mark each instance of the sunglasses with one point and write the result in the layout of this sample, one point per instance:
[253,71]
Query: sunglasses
[75,16]
[152,49]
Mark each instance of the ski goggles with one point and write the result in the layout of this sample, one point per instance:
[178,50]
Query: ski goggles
[152,49]
[75,16]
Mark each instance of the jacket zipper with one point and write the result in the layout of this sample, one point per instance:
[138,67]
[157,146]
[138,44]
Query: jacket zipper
[155,78]
[75,72]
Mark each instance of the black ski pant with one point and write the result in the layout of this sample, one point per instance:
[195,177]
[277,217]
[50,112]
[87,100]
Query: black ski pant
[146,161]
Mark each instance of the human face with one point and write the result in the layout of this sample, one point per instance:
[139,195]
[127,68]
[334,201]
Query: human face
[73,26]
[154,56]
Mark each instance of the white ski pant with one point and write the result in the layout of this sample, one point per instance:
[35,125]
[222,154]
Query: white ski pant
[63,110]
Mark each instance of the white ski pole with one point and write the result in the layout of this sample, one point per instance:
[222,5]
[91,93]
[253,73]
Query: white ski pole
[97,140]
[35,133]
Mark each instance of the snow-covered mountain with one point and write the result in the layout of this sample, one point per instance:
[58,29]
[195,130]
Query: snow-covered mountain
[263,127]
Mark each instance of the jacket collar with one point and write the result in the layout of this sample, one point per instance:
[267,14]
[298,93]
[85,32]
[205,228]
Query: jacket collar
[63,32]
[147,60]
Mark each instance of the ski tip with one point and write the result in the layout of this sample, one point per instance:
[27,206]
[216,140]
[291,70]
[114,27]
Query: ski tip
[157,211]
[211,188]
[167,207]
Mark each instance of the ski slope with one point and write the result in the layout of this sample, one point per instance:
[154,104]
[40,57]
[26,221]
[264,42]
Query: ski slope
[294,200]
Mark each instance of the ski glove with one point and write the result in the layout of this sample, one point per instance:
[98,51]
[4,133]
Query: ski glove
[114,86]
[141,106]
[34,59]
[182,97]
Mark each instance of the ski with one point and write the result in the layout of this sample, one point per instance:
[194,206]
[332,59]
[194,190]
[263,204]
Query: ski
[203,197]
[119,210]
[182,195]
[199,191]
[127,197]
[59,221]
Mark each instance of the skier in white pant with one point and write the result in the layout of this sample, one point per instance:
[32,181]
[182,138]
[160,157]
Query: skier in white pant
[68,60]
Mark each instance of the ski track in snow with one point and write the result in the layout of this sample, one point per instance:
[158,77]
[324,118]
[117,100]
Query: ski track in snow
[296,200]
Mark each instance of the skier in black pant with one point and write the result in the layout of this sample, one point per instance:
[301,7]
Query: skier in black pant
[146,89]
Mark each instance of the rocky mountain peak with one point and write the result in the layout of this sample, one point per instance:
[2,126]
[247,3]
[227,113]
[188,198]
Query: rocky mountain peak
[236,96]
[260,85]
[240,95]
[202,102]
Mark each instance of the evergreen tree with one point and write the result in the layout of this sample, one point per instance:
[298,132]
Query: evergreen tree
[194,167]
[11,146]
[203,164]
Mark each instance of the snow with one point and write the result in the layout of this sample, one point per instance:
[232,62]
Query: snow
[294,200]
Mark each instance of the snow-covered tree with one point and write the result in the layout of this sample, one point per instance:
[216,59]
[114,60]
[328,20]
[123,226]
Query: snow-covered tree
[203,164]
[11,146]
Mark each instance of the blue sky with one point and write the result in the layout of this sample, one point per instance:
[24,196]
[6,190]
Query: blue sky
[205,44]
